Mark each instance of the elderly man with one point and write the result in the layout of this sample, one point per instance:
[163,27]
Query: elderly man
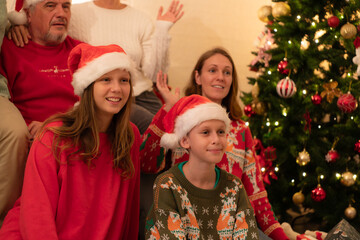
[39,85]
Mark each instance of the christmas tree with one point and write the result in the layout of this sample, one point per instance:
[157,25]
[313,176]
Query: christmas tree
[303,108]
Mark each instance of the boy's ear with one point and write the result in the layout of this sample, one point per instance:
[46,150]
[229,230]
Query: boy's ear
[184,142]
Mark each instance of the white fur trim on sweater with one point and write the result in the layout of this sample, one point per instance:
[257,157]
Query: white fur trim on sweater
[191,118]
[87,74]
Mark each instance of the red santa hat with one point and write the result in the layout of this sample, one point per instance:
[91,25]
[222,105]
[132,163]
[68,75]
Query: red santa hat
[18,17]
[87,63]
[186,114]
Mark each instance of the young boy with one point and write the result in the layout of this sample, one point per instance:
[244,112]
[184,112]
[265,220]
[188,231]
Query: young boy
[195,199]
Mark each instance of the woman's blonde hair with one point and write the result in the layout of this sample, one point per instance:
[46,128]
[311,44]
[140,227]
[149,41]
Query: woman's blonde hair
[80,131]
[230,102]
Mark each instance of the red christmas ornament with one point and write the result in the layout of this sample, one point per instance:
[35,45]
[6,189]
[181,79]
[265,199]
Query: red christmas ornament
[318,194]
[286,88]
[316,99]
[333,21]
[282,67]
[347,103]
[332,156]
[248,110]
[357,147]
[270,153]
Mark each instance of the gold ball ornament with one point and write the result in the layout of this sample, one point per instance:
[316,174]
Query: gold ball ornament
[350,212]
[280,9]
[264,12]
[348,31]
[303,158]
[258,107]
[298,198]
[347,179]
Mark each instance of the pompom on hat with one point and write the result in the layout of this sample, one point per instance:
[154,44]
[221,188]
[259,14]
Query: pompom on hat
[88,63]
[186,114]
[18,17]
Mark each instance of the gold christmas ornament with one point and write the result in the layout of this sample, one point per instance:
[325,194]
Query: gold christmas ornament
[255,90]
[330,91]
[298,198]
[264,12]
[347,179]
[258,107]
[350,212]
[303,158]
[280,9]
[348,31]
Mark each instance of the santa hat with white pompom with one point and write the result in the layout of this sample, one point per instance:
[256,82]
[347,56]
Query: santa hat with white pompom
[18,16]
[186,114]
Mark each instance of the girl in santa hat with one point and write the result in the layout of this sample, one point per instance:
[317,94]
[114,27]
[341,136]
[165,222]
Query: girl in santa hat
[214,76]
[82,175]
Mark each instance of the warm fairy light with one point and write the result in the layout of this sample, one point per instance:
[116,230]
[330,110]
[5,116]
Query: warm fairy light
[322,176]
[352,117]
[268,124]
[275,29]
[304,174]
[304,91]
[338,175]
[289,41]
[298,17]
[316,41]
[284,112]
[247,123]
[276,123]
[319,126]
[349,74]
[313,24]
[269,43]
[293,180]
[354,177]
[276,169]
[336,37]
[263,169]
[269,72]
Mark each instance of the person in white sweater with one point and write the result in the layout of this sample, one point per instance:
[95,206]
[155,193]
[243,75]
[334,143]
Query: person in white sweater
[102,22]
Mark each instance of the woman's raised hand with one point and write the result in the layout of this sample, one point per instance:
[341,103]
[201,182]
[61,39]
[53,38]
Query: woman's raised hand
[169,98]
[173,13]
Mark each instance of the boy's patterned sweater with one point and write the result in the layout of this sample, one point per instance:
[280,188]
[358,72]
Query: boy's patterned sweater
[183,211]
[239,159]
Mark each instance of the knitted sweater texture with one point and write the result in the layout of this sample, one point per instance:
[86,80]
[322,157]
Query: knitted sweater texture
[129,28]
[183,211]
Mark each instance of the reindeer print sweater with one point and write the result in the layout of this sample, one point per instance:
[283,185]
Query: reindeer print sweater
[183,211]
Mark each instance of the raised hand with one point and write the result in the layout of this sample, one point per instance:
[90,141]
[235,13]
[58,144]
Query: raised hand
[169,98]
[173,13]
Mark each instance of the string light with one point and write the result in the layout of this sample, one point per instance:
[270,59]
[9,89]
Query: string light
[354,177]
[304,174]
[338,175]
[352,117]
[276,123]
[263,169]
[319,126]
[304,91]
[289,41]
[316,41]
[349,74]
[336,37]
[276,169]
[313,24]
[284,112]
[275,29]
[293,180]
[321,176]
[269,72]
[246,123]
[298,17]
[268,124]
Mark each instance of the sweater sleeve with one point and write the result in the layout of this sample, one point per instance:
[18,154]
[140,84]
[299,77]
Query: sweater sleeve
[152,156]
[164,220]
[155,46]
[40,192]
[253,183]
